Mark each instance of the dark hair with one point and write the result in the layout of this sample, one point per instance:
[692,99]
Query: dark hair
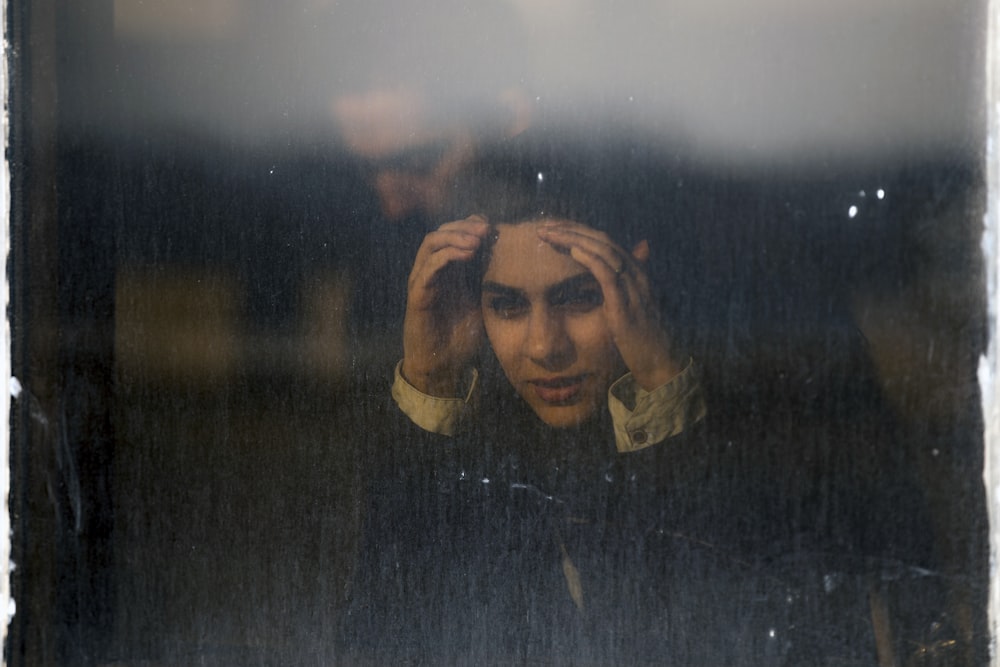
[611,185]
[626,186]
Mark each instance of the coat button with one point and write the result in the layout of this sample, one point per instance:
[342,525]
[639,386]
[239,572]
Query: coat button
[639,437]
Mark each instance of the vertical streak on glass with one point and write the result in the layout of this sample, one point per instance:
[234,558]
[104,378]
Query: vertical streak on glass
[988,365]
[5,351]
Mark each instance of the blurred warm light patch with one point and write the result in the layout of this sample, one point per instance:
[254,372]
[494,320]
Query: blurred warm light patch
[175,20]
[176,325]
[380,122]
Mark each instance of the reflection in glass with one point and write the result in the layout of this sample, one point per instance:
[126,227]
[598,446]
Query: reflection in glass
[217,206]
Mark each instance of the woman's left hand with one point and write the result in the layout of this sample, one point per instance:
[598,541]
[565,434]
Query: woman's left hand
[629,307]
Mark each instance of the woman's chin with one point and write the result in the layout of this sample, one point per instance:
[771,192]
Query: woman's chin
[565,416]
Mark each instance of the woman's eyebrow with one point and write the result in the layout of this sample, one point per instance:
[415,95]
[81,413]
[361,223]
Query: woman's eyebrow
[497,288]
[579,281]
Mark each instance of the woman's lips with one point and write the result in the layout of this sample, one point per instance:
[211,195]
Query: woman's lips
[557,390]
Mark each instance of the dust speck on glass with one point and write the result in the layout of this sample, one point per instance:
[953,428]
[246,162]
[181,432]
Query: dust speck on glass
[497,332]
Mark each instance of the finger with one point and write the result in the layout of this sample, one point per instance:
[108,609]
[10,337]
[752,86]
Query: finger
[440,240]
[630,264]
[641,251]
[615,298]
[629,284]
[582,230]
[441,254]
[451,237]
[570,231]
[641,254]
[474,224]
[623,281]
[423,282]
[597,245]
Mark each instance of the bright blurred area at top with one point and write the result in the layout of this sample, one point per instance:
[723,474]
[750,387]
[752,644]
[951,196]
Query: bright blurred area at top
[767,82]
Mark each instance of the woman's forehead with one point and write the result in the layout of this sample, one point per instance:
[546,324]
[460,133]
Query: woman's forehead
[520,258]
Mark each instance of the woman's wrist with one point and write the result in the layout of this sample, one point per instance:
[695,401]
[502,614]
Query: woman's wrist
[438,382]
[651,379]
[662,367]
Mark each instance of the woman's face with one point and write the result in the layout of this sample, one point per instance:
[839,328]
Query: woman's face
[544,318]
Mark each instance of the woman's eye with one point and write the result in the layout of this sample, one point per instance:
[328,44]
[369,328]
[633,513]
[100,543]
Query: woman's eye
[507,308]
[581,302]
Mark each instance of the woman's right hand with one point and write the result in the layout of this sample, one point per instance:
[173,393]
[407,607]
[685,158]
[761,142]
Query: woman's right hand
[443,327]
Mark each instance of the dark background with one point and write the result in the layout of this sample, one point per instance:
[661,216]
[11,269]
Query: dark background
[189,239]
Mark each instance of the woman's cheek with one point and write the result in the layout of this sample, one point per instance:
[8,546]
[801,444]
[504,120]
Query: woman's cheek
[596,345]
[590,331]
[502,337]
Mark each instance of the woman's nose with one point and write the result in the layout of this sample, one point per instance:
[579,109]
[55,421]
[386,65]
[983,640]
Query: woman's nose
[547,343]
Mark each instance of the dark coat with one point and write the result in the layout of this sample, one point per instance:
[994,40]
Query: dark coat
[706,549]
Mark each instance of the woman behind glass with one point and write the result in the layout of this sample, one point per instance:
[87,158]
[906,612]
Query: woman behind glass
[557,490]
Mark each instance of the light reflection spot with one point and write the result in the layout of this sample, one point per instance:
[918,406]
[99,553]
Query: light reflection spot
[880,193]
[851,212]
